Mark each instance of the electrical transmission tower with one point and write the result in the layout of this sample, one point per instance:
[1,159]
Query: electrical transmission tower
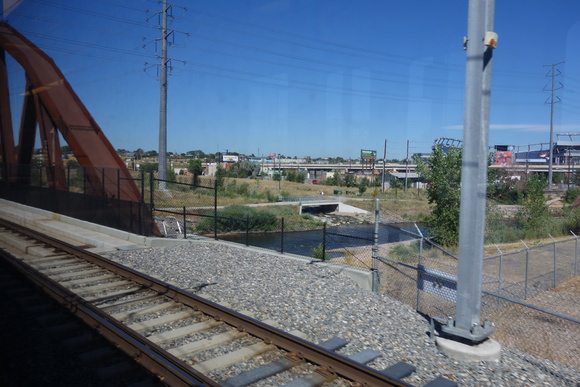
[164,62]
[553,100]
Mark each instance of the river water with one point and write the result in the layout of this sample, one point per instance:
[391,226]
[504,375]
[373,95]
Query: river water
[304,242]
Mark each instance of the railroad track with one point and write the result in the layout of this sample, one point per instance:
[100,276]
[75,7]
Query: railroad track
[177,336]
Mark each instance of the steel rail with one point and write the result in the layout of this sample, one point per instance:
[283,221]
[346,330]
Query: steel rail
[330,363]
[150,356]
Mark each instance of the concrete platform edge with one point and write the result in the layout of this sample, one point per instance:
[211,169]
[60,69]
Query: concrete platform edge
[361,276]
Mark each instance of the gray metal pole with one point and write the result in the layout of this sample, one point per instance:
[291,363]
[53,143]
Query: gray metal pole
[473,178]
[376,248]
[555,276]
[527,271]
[384,162]
[420,264]
[407,166]
[575,254]
[163,101]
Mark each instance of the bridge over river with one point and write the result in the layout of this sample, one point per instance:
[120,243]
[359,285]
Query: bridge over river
[318,204]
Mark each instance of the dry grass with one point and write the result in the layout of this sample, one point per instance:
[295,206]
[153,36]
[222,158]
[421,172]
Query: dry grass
[537,332]
[395,204]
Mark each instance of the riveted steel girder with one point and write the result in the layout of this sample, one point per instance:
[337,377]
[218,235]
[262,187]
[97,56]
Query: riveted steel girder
[51,103]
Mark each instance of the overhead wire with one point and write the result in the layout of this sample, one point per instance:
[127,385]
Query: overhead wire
[424,80]
[363,52]
[404,59]
[92,13]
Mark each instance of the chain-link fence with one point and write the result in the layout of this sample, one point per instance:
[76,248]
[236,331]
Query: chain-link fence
[341,244]
[99,195]
[180,207]
[522,294]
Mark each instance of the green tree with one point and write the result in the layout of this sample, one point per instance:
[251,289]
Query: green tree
[443,173]
[559,177]
[335,179]
[243,169]
[535,215]
[350,180]
[363,185]
[148,167]
[503,187]
[196,169]
[198,154]
[295,176]
[396,184]
[575,178]
[73,164]
[170,175]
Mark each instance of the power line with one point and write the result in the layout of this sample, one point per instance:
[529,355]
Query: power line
[92,13]
[404,59]
[424,80]
[88,45]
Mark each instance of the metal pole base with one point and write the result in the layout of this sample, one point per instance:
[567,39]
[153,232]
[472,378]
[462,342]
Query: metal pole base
[476,334]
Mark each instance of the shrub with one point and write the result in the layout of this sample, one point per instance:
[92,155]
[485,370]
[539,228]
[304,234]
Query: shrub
[571,194]
[319,253]
[535,216]
[237,217]
[270,196]
[495,226]
[243,189]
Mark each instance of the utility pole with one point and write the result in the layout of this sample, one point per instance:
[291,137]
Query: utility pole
[163,101]
[480,42]
[384,162]
[552,102]
[406,165]
[164,63]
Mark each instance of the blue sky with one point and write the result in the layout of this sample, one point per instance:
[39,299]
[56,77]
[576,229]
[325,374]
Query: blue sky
[305,77]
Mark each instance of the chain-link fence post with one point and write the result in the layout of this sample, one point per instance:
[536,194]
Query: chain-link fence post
[420,263]
[499,276]
[375,268]
[247,229]
[215,214]
[527,268]
[575,253]
[324,241]
[151,190]
[142,186]
[184,224]
[555,279]
[282,237]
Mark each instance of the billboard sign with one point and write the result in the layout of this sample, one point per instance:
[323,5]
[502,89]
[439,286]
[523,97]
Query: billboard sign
[503,158]
[368,154]
[230,159]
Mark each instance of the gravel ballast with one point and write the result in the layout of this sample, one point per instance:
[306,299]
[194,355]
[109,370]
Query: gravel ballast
[323,303]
